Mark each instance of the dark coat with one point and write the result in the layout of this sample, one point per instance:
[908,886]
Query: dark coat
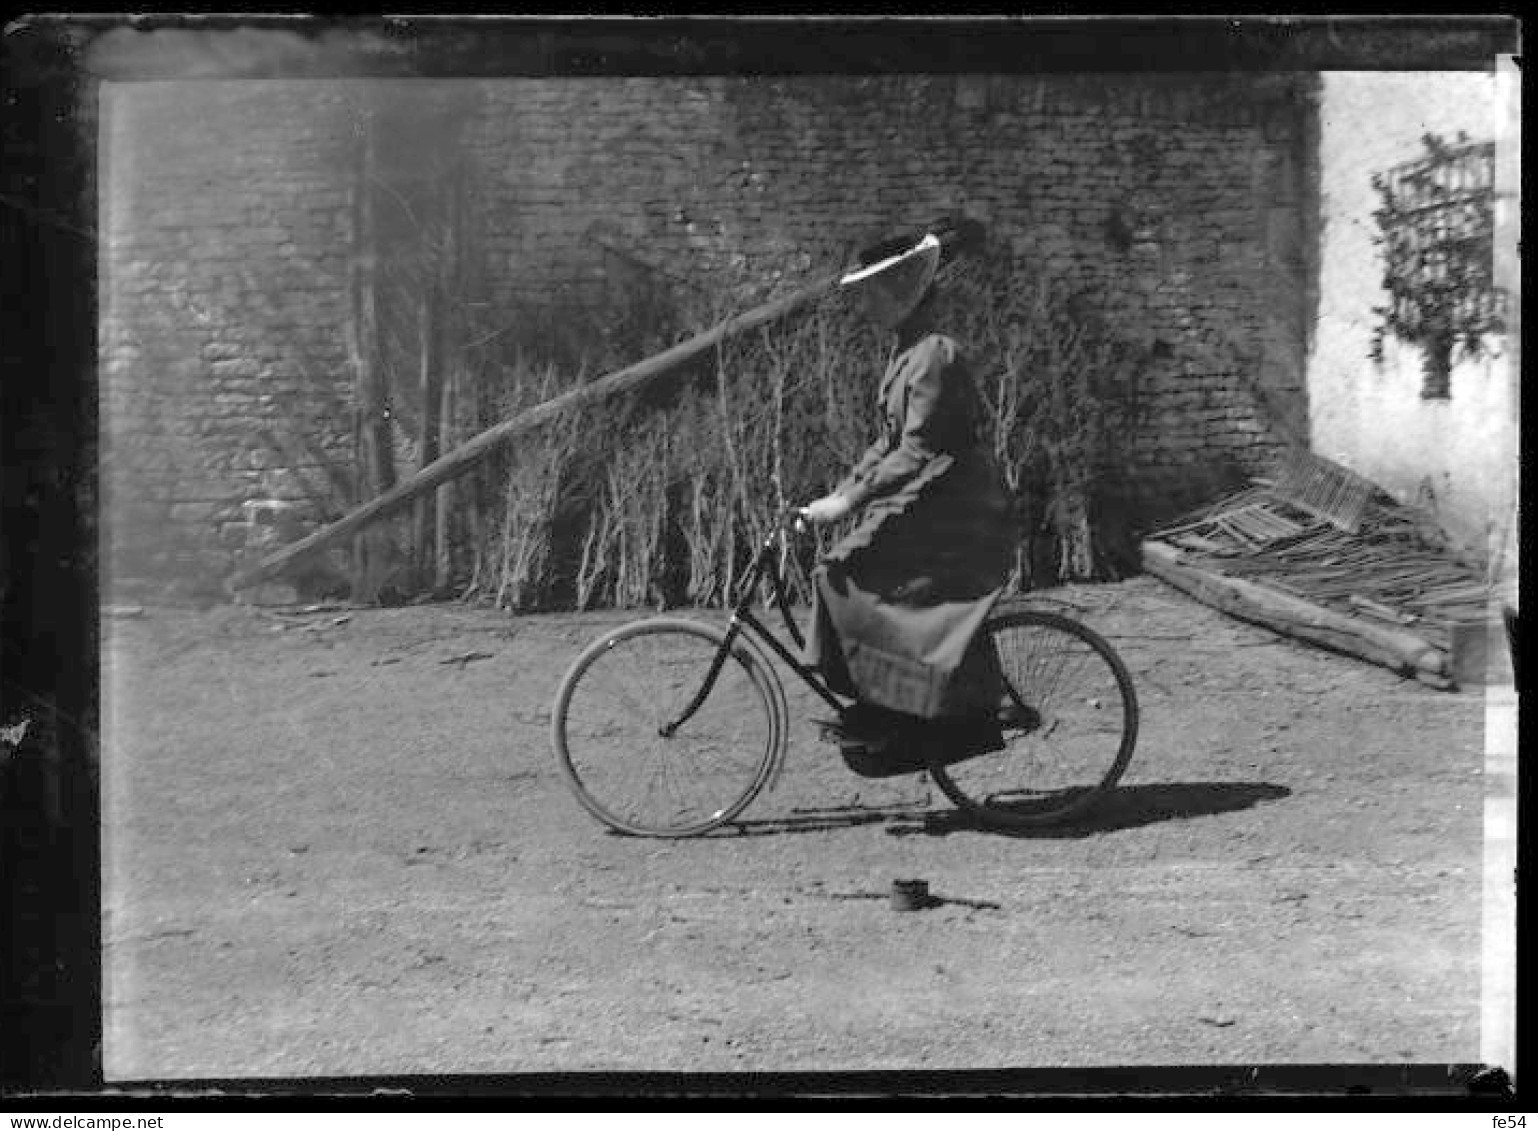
[898,601]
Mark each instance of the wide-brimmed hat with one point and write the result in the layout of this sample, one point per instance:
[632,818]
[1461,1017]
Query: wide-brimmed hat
[902,269]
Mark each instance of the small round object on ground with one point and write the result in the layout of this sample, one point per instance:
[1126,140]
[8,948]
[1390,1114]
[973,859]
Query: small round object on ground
[910,895]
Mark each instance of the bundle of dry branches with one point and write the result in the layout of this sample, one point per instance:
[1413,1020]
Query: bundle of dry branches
[661,499]
[1060,388]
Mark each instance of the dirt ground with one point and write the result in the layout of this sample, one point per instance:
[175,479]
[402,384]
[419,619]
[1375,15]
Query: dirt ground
[329,851]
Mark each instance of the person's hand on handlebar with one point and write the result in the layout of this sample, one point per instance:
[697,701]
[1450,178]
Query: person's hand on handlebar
[828,509]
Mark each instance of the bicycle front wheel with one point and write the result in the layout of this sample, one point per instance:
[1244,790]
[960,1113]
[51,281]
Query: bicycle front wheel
[1078,719]
[635,754]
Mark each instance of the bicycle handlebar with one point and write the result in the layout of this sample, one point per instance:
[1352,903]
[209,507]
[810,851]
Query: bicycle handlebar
[794,520]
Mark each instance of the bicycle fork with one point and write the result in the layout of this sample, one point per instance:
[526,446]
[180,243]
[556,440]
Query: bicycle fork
[668,729]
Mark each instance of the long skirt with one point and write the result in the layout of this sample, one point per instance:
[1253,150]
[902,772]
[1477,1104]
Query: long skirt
[900,603]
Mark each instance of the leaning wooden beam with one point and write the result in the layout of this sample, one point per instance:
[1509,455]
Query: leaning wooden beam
[1394,648]
[473,450]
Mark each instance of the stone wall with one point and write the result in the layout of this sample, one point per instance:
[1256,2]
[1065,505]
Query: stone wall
[223,311]
[226,209]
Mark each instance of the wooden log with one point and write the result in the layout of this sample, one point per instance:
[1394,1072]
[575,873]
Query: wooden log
[443,558]
[1395,648]
[430,389]
[472,451]
[452,280]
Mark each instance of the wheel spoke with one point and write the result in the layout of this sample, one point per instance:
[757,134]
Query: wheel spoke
[1086,732]
[653,786]
[609,713]
[635,707]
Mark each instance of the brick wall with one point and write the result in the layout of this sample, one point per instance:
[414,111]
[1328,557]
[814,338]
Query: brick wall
[227,218]
[224,307]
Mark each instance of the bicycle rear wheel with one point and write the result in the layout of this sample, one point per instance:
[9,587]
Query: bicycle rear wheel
[631,751]
[1080,740]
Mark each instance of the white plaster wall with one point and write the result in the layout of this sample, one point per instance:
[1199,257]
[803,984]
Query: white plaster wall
[1370,416]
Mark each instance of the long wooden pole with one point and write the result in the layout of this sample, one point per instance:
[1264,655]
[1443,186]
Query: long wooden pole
[1395,648]
[466,455]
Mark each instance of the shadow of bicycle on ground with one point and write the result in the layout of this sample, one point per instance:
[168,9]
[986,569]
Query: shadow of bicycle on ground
[1126,807]
[827,820]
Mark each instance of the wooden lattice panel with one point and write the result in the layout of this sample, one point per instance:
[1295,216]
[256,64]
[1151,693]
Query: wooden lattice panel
[1324,489]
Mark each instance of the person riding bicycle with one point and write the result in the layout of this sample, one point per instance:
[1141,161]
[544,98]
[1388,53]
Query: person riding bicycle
[898,602]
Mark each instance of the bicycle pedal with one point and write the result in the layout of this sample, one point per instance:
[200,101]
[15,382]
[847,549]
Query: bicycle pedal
[1019,719]
[840,732]
[877,761]
[829,730]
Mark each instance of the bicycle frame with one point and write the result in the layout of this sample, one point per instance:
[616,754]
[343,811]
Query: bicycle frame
[743,618]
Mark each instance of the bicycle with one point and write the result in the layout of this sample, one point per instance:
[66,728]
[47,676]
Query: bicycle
[671,727]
